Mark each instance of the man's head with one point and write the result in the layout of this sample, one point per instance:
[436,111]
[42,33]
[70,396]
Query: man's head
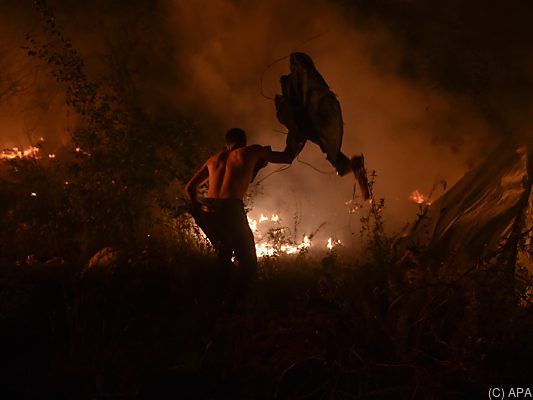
[235,138]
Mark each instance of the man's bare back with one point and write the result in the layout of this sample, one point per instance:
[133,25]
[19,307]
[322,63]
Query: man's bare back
[230,171]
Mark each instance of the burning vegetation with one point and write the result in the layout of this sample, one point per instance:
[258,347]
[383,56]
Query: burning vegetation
[272,238]
[15,152]
[419,198]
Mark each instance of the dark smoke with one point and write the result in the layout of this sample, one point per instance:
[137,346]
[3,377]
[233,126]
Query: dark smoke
[480,49]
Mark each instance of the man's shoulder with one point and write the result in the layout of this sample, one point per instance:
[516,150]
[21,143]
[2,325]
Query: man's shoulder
[217,156]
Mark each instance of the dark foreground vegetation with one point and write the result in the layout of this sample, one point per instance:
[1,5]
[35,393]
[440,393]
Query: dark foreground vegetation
[152,325]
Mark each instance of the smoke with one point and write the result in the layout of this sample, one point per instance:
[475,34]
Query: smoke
[478,48]
[418,102]
[28,95]
[401,125]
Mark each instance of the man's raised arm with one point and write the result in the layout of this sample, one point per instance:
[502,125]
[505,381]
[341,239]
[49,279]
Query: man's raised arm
[275,157]
[191,188]
[279,157]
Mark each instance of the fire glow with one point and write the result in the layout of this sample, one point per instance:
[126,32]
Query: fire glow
[15,152]
[419,198]
[275,243]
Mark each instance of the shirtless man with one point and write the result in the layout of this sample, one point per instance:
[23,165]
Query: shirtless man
[221,215]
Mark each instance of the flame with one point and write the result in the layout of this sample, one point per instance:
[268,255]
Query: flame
[252,223]
[332,243]
[269,249]
[273,218]
[270,240]
[15,152]
[419,198]
[275,243]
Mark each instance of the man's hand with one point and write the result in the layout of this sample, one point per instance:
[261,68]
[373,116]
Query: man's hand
[191,188]
[191,193]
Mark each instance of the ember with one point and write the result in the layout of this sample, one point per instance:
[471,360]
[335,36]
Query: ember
[353,206]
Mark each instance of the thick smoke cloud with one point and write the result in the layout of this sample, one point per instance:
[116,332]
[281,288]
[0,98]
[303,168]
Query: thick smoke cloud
[425,91]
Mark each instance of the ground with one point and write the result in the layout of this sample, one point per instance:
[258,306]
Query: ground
[151,325]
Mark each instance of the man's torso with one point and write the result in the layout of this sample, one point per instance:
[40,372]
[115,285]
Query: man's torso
[230,172]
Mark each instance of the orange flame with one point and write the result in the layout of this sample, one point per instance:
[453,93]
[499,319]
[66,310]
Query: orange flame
[269,247]
[419,198]
[15,152]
